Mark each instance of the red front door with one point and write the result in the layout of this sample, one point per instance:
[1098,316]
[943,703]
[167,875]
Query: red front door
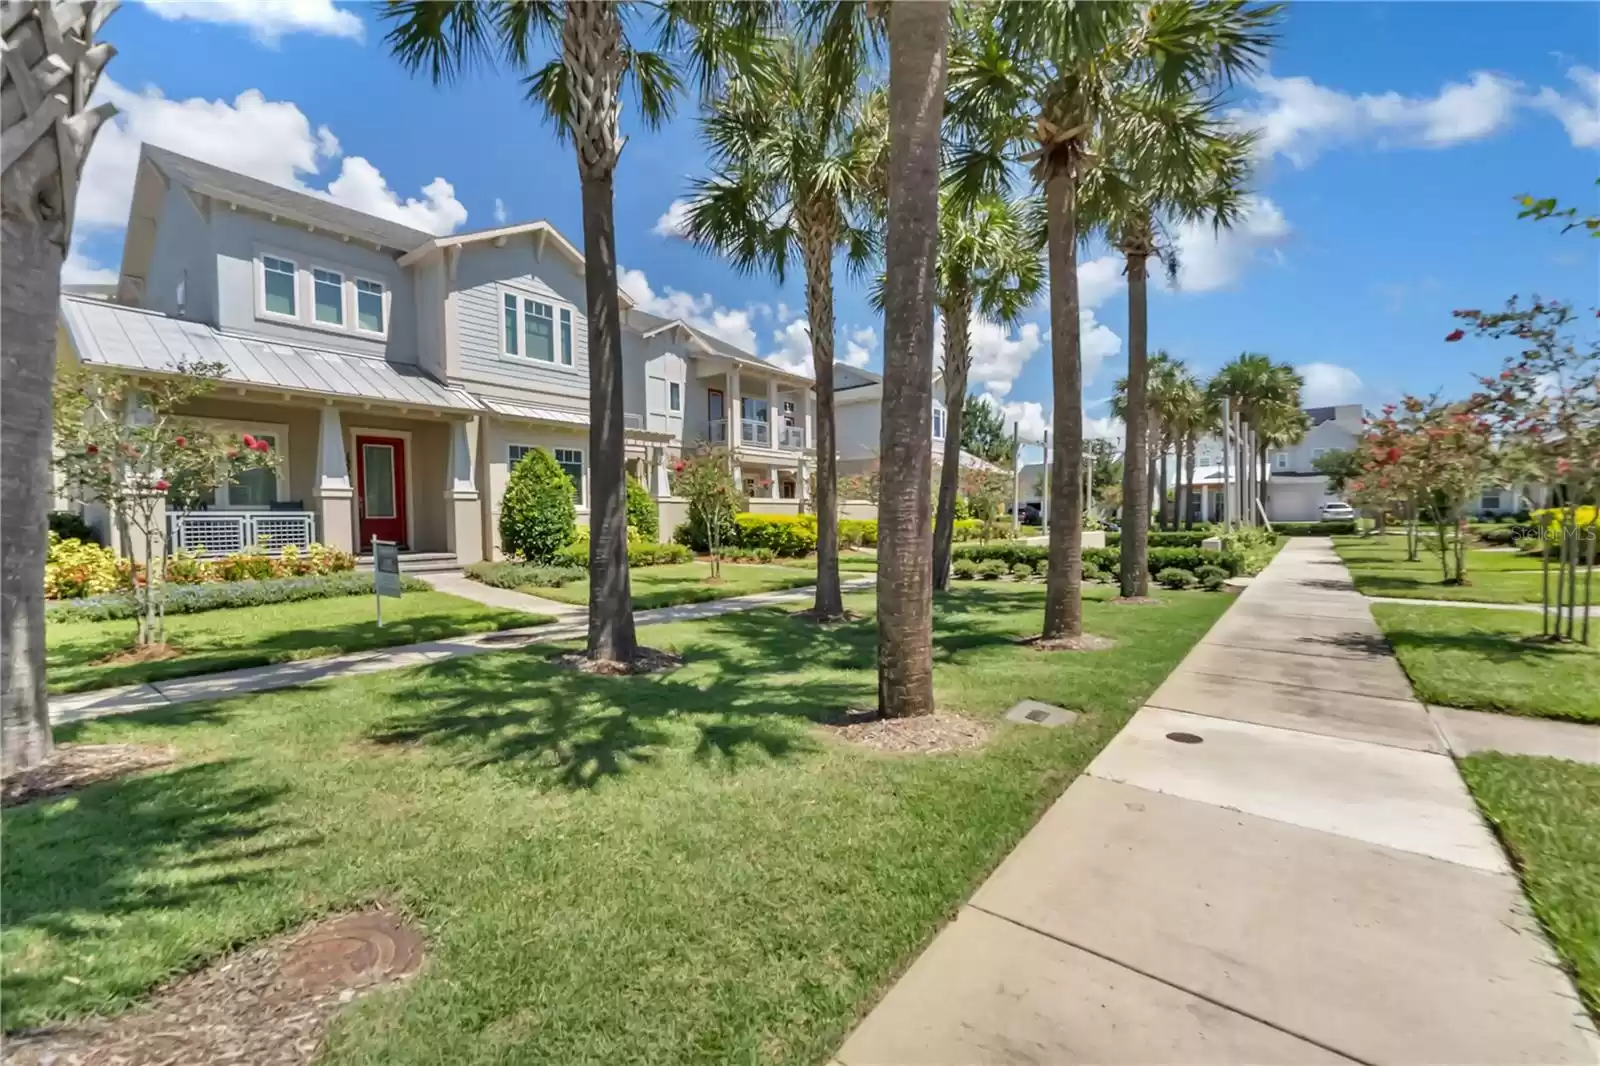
[381,490]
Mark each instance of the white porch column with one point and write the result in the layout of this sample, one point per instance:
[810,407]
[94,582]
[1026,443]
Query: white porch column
[737,472]
[811,419]
[735,409]
[772,481]
[463,511]
[663,482]
[801,488]
[335,498]
[773,421]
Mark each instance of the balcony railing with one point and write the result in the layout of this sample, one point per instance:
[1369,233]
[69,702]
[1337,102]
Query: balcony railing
[225,532]
[792,437]
[755,432]
[717,431]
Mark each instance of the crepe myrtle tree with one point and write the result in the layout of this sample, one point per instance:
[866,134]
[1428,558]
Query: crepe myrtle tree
[704,477]
[120,443]
[1545,406]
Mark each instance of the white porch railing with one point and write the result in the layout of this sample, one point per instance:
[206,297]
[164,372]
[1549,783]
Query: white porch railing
[793,437]
[225,532]
[755,432]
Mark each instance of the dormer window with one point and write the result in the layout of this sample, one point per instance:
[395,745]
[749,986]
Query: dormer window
[279,275]
[328,292]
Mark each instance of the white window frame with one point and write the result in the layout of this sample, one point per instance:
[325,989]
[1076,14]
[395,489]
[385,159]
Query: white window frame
[280,434]
[262,311]
[355,302]
[675,397]
[558,308]
[1280,460]
[1318,453]
[1483,498]
[939,420]
[315,281]
[583,472]
[305,294]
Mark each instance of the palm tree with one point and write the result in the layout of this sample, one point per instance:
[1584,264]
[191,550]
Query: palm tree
[53,65]
[580,94]
[1192,413]
[1282,424]
[1038,81]
[989,265]
[917,65]
[798,168]
[1254,384]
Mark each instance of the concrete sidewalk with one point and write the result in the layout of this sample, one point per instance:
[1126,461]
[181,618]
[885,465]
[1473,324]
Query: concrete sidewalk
[129,698]
[1275,861]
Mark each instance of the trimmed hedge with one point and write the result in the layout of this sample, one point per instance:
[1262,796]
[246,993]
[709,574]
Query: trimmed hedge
[1158,538]
[640,553]
[643,518]
[1314,529]
[192,599]
[523,575]
[856,532]
[784,534]
[1106,559]
[538,517]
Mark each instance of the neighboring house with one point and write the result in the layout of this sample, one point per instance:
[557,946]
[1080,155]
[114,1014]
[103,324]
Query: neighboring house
[400,375]
[858,420]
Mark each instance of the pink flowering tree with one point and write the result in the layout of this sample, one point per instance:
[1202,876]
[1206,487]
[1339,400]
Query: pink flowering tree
[120,442]
[1545,406]
[705,478]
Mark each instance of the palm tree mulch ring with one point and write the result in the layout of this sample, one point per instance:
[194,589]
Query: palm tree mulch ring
[645,661]
[268,1006]
[74,766]
[1081,642]
[810,615]
[923,734]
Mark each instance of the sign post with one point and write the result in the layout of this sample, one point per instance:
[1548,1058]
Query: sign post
[385,573]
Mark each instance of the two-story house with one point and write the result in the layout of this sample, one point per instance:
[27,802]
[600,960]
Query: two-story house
[858,420]
[400,375]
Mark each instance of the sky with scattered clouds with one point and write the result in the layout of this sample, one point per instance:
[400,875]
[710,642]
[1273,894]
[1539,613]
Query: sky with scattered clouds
[1393,140]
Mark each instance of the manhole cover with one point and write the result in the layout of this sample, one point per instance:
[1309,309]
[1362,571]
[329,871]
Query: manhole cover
[1186,738]
[1034,712]
[354,951]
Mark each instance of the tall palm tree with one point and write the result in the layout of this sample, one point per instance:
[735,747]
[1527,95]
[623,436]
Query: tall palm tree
[797,170]
[1283,423]
[989,265]
[917,67]
[1190,412]
[1037,82]
[53,63]
[580,94]
[1254,385]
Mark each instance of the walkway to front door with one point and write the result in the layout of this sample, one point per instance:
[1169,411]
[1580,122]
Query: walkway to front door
[381,490]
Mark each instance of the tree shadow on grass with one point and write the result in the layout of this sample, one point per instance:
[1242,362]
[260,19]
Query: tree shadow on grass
[142,843]
[1497,648]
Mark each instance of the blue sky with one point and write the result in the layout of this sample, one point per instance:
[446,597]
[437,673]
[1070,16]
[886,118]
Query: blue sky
[1394,137]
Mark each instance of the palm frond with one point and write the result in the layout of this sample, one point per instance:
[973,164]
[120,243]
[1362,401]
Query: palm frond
[655,85]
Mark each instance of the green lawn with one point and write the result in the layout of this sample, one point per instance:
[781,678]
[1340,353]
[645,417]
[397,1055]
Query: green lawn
[1379,567]
[667,869]
[849,561]
[1548,813]
[1483,659]
[668,586]
[254,636]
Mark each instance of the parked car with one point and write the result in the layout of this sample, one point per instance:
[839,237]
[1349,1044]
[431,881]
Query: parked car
[1032,514]
[1338,511]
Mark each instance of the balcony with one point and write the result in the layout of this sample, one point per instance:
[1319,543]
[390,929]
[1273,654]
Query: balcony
[755,433]
[792,438]
[226,532]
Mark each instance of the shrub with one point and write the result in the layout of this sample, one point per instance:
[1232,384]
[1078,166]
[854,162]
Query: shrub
[658,554]
[1211,577]
[1529,545]
[1173,578]
[991,569]
[70,525]
[855,532]
[1499,535]
[509,575]
[1091,571]
[191,599]
[965,569]
[1106,559]
[187,568]
[79,568]
[1022,570]
[784,534]
[537,515]
[252,565]
[1314,529]
[965,529]
[749,555]
[642,515]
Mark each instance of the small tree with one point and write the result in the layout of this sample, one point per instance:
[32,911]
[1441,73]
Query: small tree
[705,479]
[986,492]
[538,515]
[642,516]
[862,485]
[119,442]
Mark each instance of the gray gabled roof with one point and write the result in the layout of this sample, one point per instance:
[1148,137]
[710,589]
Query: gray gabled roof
[230,187]
[127,338]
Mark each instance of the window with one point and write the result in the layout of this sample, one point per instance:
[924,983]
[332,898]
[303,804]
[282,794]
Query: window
[530,329]
[327,288]
[938,421]
[1318,453]
[1280,460]
[788,413]
[278,285]
[786,489]
[566,337]
[571,460]
[369,306]
[1490,500]
[511,324]
[515,452]
[253,489]
[752,409]
[674,396]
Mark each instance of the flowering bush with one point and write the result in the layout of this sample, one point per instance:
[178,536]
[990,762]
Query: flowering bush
[186,568]
[77,568]
[190,599]
[855,532]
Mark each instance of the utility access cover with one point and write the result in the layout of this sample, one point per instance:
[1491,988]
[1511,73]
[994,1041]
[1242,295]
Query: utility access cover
[1033,712]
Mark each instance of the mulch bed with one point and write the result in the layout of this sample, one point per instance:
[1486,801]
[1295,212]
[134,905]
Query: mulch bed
[266,1006]
[1082,642]
[143,653]
[926,734]
[73,766]
[645,661]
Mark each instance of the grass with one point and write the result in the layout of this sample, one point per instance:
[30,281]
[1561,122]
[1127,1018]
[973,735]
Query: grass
[669,586]
[1548,813]
[255,636]
[849,562]
[669,869]
[1379,567]
[1487,661]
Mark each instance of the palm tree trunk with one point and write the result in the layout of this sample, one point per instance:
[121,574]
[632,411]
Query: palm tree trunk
[1182,493]
[1134,569]
[1163,500]
[1194,446]
[917,65]
[592,53]
[1063,603]
[956,363]
[817,251]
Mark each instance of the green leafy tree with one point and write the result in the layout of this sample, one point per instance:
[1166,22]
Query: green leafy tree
[1339,466]
[643,518]
[538,515]
[984,432]
[797,161]
[704,478]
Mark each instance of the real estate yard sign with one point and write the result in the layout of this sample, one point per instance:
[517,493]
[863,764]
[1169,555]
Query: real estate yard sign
[385,573]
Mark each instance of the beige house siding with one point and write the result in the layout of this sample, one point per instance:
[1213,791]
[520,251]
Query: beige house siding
[495,469]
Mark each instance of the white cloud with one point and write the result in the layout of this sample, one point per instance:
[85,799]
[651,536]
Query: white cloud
[1297,118]
[700,311]
[79,269]
[500,214]
[1327,384]
[1099,280]
[1580,112]
[1096,344]
[1209,260]
[858,346]
[998,356]
[794,348]
[267,139]
[267,20]
[674,222]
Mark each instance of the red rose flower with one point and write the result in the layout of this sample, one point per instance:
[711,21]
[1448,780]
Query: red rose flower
[161,485]
[182,442]
[250,442]
[91,450]
[1455,335]
[1392,455]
